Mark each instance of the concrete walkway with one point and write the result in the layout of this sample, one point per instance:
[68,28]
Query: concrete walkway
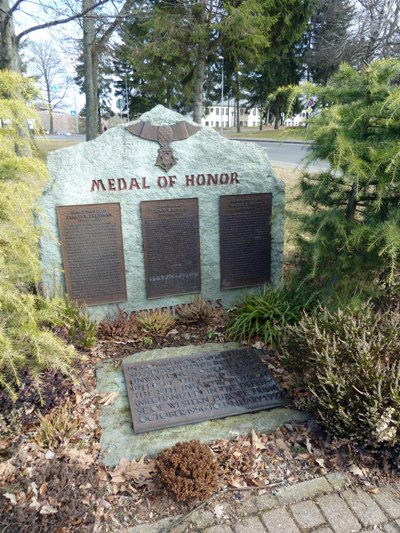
[323,505]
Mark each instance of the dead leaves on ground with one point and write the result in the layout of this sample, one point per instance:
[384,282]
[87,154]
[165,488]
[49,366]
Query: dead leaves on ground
[139,473]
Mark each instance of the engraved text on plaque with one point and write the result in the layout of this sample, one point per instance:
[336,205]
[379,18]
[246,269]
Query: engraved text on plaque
[183,390]
[171,246]
[245,240]
[92,251]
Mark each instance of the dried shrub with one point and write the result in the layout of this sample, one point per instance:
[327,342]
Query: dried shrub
[57,427]
[157,322]
[124,325]
[189,470]
[198,311]
[348,362]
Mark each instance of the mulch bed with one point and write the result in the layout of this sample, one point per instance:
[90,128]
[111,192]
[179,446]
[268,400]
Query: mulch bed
[63,487]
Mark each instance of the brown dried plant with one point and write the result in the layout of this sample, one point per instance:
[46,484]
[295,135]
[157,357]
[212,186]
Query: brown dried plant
[124,325]
[157,322]
[189,470]
[57,427]
[198,311]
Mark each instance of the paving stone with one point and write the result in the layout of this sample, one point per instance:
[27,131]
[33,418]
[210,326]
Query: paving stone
[392,527]
[323,530]
[218,529]
[339,516]
[252,524]
[266,502]
[279,521]
[202,519]
[364,507]
[154,527]
[307,514]
[338,481]
[247,507]
[304,490]
[388,501]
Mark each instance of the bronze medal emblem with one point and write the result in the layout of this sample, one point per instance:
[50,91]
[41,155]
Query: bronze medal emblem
[164,135]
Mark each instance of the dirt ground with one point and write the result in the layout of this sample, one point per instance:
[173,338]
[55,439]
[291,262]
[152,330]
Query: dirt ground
[52,478]
[51,475]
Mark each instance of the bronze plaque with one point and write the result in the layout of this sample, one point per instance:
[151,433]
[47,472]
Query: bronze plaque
[171,246]
[92,252]
[183,390]
[245,240]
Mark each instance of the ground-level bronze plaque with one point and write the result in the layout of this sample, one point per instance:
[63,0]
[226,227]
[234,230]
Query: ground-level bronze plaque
[245,240]
[171,246]
[183,390]
[92,252]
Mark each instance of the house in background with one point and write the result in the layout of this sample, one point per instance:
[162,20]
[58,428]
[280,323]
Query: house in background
[297,120]
[226,113]
[63,122]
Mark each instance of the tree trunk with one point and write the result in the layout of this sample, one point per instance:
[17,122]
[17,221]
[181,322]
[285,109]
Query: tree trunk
[199,83]
[277,112]
[352,203]
[201,60]
[90,84]
[51,121]
[237,115]
[96,90]
[9,57]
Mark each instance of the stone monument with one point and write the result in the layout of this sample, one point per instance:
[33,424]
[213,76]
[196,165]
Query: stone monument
[152,213]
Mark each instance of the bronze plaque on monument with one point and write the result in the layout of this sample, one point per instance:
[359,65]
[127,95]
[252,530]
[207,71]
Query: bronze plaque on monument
[92,252]
[183,390]
[245,240]
[171,246]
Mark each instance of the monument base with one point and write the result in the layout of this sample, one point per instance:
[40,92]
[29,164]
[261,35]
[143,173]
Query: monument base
[118,439]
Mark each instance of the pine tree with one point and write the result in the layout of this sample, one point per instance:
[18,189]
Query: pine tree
[351,235]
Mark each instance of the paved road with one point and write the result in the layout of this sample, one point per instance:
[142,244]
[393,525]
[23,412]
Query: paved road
[285,153]
[289,154]
[71,137]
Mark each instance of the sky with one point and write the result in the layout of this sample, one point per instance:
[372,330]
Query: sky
[64,40]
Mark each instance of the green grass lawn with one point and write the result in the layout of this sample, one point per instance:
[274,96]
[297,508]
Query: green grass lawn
[283,134]
[48,145]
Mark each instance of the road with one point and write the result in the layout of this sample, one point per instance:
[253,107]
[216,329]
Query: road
[289,154]
[285,153]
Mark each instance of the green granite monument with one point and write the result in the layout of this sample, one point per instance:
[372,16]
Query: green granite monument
[153,213]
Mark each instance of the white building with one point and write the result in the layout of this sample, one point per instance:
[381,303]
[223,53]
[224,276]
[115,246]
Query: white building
[226,113]
[297,120]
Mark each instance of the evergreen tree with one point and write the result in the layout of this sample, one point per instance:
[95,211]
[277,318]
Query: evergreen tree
[351,236]
[174,50]
[329,41]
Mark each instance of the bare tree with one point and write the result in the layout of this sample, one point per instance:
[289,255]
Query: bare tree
[55,14]
[51,76]
[378,35]
[95,39]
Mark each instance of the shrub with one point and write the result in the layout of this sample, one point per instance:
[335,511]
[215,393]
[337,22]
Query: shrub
[189,470]
[266,314]
[348,362]
[25,344]
[123,325]
[69,321]
[156,322]
[350,231]
[26,340]
[57,427]
[198,311]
